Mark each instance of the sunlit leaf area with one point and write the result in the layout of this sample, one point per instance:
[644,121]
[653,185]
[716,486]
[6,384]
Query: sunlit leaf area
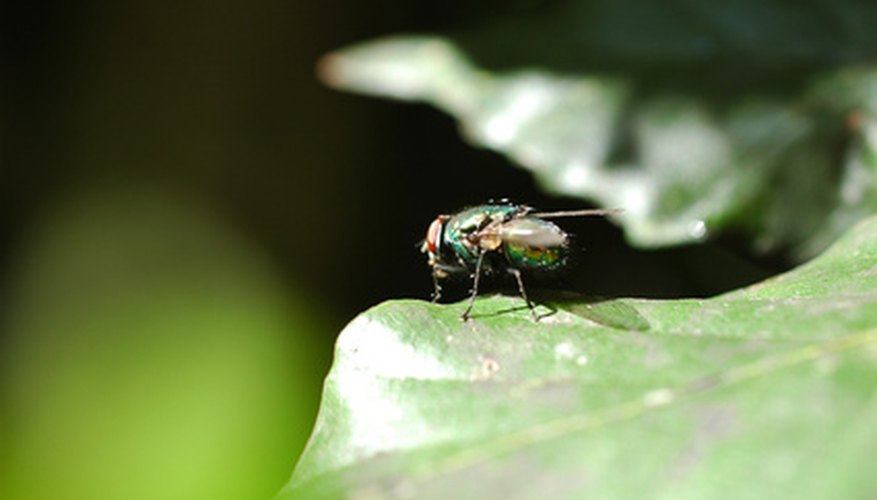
[214,219]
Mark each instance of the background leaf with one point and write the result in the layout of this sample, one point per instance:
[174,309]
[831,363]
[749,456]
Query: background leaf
[151,355]
[758,118]
[762,392]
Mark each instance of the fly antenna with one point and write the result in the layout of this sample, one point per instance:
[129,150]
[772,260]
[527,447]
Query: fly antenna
[576,213]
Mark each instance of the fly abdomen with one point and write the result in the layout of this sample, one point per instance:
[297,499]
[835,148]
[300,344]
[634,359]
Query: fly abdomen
[534,244]
[535,258]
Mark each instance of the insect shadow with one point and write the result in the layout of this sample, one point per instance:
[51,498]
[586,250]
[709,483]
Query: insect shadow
[509,310]
[611,312]
[606,311]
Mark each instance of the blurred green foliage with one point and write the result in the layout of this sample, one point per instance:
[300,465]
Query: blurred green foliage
[153,354]
[763,392]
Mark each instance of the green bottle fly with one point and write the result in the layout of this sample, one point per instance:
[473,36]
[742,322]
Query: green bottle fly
[494,238]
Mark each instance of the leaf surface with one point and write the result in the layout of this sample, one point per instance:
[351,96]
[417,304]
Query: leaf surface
[764,392]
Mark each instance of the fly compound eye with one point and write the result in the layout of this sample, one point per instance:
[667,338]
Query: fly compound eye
[434,236]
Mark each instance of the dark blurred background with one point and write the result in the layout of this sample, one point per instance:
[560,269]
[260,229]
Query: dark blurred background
[189,218]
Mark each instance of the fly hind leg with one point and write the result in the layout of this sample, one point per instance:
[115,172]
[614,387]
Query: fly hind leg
[517,274]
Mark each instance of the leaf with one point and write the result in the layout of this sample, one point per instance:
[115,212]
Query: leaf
[765,392]
[758,118]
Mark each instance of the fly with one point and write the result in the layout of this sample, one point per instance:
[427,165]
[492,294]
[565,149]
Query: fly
[495,238]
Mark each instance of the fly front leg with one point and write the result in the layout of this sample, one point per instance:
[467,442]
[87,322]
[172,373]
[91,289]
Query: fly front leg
[475,278]
[517,274]
[437,290]
[439,271]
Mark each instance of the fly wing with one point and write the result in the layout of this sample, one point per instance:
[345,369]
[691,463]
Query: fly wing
[532,233]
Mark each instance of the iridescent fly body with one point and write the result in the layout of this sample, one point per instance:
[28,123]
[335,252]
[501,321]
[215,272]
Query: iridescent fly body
[496,238]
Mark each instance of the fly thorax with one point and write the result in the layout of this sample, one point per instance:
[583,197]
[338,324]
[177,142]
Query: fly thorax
[490,241]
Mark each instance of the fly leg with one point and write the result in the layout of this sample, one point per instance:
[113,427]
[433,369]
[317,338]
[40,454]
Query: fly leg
[517,274]
[475,278]
[437,292]
[439,271]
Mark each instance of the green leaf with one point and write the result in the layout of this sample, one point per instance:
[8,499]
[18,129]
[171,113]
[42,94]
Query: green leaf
[765,392]
[757,118]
